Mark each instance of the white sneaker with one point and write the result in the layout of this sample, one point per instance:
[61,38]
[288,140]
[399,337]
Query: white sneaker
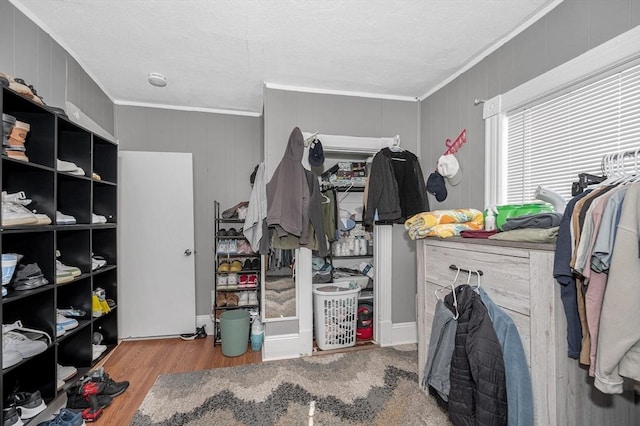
[97,218]
[10,357]
[66,166]
[253,298]
[73,270]
[97,351]
[243,298]
[66,323]
[18,197]
[78,172]
[64,219]
[66,372]
[14,341]
[16,214]
[97,262]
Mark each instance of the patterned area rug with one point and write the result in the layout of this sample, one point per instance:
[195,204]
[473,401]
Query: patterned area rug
[367,387]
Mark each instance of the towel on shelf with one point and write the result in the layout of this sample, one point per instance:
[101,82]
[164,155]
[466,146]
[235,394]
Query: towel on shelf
[443,223]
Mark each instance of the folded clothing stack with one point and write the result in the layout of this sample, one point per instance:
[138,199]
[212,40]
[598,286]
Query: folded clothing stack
[443,223]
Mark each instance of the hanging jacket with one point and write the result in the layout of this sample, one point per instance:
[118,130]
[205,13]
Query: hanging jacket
[517,376]
[478,394]
[441,343]
[395,187]
[288,191]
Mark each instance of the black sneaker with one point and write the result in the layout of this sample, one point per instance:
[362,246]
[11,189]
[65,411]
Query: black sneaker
[27,404]
[11,417]
[76,401]
[200,333]
[108,386]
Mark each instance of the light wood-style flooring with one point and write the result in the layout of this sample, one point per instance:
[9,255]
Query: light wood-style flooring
[140,362]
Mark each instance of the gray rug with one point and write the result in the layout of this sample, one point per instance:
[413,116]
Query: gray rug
[368,387]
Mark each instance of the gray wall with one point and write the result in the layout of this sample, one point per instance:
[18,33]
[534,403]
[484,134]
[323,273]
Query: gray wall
[225,150]
[29,53]
[572,28]
[350,116]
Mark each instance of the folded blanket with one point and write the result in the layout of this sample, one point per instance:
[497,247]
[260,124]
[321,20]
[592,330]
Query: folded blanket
[532,235]
[443,223]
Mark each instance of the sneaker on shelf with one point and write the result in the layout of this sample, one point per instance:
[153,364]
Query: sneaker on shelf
[10,357]
[223,247]
[96,176]
[111,387]
[232,247]
[78,172]
[4,291]
[97,338]
[73,270]
[9,262]
[65,166]
[97,262]
[29,277]
[243,299]
[224,267]
[65,372]
[97,351]
[236,266]
[17,155]
[65,219]
[72,312]
[28,404]
[97,218]
[223,282]
[60,330]
[11,417]
[14,214]
[63,276]
[16,341]
[59,385]
[96,307]
[253,298]
[66,323]
[17,197]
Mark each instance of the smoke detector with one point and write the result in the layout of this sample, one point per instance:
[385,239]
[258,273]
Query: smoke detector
[157,79]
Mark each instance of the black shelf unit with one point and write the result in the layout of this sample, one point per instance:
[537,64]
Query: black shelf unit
[216,311]
[53,137]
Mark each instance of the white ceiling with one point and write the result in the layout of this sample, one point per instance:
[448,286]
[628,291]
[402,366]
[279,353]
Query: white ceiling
[218,54]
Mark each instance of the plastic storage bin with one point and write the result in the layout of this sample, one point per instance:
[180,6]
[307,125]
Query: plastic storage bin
[335,315]
[234,332]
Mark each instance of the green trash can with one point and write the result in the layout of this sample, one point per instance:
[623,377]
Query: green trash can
[234,332]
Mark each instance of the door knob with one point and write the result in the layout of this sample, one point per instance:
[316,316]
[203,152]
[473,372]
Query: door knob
[187,252]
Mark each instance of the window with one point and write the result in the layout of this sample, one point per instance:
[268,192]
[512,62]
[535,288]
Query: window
[550,143]
[563,122]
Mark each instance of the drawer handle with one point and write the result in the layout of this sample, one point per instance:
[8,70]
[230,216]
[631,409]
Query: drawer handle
[468,271]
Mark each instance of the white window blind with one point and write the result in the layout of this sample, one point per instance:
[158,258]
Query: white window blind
[549,144]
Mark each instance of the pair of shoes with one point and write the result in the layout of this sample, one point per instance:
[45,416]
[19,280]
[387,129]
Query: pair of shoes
[199,334]
[244,247]
[227,247]
[16,345]
[15,214]
[97,262]
[233,211]
[77,401]
[232,281]
[9,262]
[224,266]
[97,350]
[248,281]
[99,304]
[29,277]
[222,281]
[11,417]
[65,417]
[221,299]
[232,300]
[248,298]
[235,266]
[28,404]
[65,269]
[66,323]
[108,385]
[66,372]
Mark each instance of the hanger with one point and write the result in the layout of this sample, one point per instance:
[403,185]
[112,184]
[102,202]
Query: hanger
[477,286]
[453,291]
[346,192]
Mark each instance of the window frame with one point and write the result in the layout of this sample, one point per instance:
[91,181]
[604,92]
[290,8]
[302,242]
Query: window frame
[581,70]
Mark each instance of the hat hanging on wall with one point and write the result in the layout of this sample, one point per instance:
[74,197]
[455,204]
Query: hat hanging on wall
[449,168]
[316,153]
[436,186]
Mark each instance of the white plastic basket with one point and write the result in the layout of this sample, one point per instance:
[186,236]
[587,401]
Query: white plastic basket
[335,314]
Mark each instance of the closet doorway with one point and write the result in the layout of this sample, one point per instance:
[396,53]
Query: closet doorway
[156,233]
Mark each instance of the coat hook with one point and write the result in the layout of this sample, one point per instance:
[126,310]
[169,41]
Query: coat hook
[477,102]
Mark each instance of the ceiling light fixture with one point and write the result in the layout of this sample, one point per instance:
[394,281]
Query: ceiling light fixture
[157,79]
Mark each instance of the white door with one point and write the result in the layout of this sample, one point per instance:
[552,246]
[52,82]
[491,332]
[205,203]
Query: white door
[156,286]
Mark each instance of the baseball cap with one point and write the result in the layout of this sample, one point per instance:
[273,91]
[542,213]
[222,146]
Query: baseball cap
[436,186]
[316,153]
[449,168]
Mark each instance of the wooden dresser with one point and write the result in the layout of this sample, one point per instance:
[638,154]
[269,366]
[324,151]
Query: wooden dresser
[519,278]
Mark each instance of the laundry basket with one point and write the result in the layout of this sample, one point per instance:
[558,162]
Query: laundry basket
[335,315]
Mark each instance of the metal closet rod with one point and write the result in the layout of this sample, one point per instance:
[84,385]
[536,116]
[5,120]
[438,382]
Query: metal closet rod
[468,271]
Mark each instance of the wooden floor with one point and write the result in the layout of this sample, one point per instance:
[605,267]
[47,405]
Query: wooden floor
[140,362]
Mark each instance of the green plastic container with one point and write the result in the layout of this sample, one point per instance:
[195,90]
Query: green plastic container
[234,332]
[515,210]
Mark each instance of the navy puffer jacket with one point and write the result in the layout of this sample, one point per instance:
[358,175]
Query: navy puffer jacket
[478,394]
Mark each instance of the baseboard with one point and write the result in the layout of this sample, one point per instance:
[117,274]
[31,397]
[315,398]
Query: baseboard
[404,333]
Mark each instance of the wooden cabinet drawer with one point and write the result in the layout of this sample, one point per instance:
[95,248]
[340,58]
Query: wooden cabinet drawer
[505,278]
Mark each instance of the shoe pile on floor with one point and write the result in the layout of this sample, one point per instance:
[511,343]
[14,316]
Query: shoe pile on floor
[87,397]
